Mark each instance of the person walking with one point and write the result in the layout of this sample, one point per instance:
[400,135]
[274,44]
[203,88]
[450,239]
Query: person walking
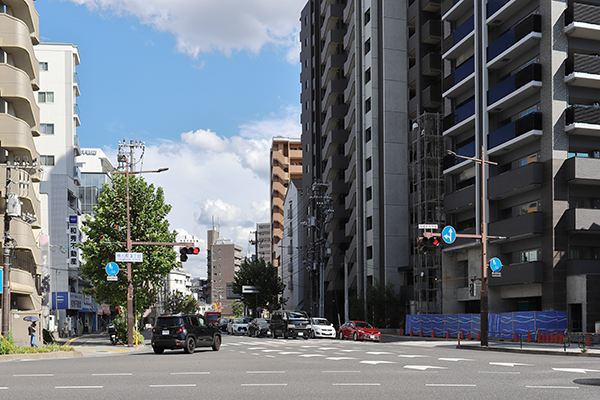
[33,334]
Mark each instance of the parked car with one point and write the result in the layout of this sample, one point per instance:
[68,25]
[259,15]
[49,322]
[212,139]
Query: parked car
[290,324]
[359,330]
[222,324]
[212,317]
[259,327]
[238,326]
[184,331]
[321,328]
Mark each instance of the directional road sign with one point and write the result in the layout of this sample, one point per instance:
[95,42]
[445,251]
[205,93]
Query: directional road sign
[449,234]
[112,269]
[129,257]
[495,264]
[249,289]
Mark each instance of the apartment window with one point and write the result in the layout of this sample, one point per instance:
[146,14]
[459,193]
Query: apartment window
[46,97]
[368,165]
[529,159]
[367,135]
[368,105]
[305,41]
[369,193]
[368,75]
[47,129]
[306,105]
[47,160]
[369,223]
[528,256]
[367,46]
[43,66]
[307,126]
[367,16]
[369,252]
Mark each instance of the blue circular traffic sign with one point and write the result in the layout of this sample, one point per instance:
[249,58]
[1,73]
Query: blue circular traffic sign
[448,234]
[112,268]
[495,264]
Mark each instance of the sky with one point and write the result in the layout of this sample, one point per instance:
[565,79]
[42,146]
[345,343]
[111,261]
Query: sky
[205,84]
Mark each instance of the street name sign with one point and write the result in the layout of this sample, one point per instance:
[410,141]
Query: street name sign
[129,257]
[113,278]
[428,226]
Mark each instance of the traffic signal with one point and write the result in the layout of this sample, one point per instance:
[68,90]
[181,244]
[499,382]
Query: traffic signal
[427,243]
[184,251]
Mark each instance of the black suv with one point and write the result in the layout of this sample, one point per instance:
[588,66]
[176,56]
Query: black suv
[184,331]
[290,324]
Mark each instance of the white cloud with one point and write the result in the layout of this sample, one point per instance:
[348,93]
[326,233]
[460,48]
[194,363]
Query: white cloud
[216,25]
[214,179]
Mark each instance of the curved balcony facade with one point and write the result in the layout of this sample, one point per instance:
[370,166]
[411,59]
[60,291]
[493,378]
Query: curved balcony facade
[15,87]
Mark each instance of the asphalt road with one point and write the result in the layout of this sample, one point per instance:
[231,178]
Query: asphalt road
[264,368]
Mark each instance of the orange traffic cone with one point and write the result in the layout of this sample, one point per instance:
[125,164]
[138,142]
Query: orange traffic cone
[432,333]
[421,334]
[528,336]
[478,335]
[448,334]
[411,332]
[462,334]
[516,339]
[469,335]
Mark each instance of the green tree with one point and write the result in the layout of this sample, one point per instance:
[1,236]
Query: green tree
[177,303]
[237,308]
[107,233]
[264,276]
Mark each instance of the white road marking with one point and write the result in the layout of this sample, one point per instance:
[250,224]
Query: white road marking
[507,364]
[328,348]
[270,356]
[114,374]
[577,370]
[348,350]
[182,385]
[455,359]
[340,358]
[4,388]
[378,353]
[289,352]
[552,387]
[265,372]
[378,362]
[312,355]
[411,356]
[256,348]
[423,367]
[34,375]
[270,350]
[78,387]
[356,384]
[450,385]
[190,373]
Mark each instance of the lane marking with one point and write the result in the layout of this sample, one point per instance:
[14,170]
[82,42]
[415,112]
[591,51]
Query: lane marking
[289,352]
[190,373]
[450,385]
[412,356]
[577,370]
[114,374]
[356,384]
[378,362]
[312,355]
[163,386]
[3,388]
[552,387]
[78,387]
[378,353]
[34,375]
[263,384]
[455,359]
[265,372]
[423,367]
[507,364]
[340,358]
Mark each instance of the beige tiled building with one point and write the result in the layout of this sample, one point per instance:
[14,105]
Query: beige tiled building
[286,164]
[19,123]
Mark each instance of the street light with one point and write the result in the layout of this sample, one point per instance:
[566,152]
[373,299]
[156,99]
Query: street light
[129,245]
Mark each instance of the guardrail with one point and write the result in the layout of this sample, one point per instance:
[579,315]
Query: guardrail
[564,338]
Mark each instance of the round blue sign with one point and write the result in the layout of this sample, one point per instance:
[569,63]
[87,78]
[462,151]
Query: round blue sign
[112,268]
[448,234]
[495,264]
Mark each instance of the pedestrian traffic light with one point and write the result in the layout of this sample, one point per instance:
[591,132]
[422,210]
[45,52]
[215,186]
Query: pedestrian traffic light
[184,251]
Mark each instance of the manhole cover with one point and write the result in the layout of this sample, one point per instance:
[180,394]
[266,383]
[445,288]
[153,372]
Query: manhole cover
[592,382]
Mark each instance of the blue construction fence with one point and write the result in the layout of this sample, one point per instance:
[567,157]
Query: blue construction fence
[503,325]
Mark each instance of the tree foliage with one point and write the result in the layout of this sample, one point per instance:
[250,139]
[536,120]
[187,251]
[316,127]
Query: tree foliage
[107,234]
[237,308]
[264,277]
[177,303]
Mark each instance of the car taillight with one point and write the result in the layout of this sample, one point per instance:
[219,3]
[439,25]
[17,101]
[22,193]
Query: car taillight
[180,330]
[153,330]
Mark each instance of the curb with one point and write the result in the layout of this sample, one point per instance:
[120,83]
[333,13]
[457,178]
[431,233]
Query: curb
[41,356]
[527,351]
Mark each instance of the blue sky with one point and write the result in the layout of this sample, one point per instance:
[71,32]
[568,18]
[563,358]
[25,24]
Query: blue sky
[205,84]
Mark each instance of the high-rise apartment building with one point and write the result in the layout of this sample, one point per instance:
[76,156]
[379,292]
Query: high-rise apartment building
[263,238]
[354,140]
[286,164]
[524,95]
[19,124]
[224,259]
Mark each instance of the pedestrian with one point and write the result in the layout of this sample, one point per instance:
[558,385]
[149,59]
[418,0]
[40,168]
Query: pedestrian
[33,334]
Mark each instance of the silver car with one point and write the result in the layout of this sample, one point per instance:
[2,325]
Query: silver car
[238,325]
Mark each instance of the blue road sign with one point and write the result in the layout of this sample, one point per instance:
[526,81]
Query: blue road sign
[448,234]
[112,269]
[495,264]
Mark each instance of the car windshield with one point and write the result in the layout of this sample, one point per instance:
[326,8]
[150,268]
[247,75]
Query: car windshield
[363,325]
[213,317]
[169,321]
[320,321]
[262,321]
[297,314]
[239,321]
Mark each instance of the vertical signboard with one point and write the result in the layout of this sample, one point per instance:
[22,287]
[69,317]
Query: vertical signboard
[73,260]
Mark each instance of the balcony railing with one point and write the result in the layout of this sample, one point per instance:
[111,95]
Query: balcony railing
[495,5]
[532,72]
[459,115]
[460,73]
[589,64]
[447,5]
[459,33]
[533,23]
[581,114]
[587,13]
[514,129]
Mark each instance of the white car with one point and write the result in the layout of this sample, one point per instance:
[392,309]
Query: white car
[321,328]
[238,326]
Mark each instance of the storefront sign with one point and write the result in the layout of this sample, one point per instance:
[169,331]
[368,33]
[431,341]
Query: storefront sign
[59,300]
[75,301]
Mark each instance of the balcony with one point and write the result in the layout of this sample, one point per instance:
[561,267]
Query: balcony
[461,80]
[431,97]
[460,117]
[519,274]
[333,38]
[583,120]
[16,137]
[431,32]
[431,64]
[526,225]
[516,181]
[582,220]
[583,70]
[412,106]
[334,138]
[460,200]
[17,90]
[516,88]
[333,13]
[76,115]
[500,10]
[515,42]
[17,42]
[583,267]
[332,90]
[454,9]
[76,145]
[515,133]
[582,171]
[459,40]
[583,21]
[24,10]
[430,5]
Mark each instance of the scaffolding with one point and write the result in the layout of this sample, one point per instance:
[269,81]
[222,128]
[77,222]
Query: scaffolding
[427,195]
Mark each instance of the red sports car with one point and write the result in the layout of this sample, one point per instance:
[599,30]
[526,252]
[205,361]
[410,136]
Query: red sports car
[359,330]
